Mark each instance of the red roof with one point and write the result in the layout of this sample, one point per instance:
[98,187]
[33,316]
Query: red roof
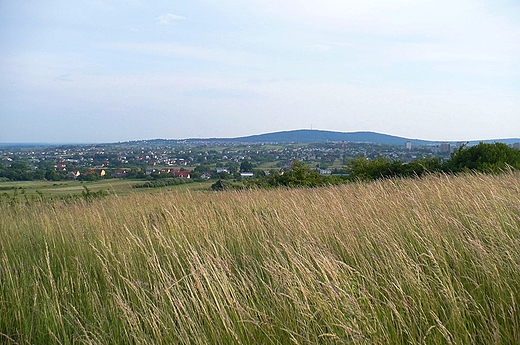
[185,174]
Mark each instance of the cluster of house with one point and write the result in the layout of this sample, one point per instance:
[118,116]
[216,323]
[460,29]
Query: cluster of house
[99,172]
[123,173]
[173,172]
[186,174]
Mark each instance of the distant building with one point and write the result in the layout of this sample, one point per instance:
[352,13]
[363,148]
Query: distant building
[73,174]
[445,148]
[99,172]
[120,173]
[325,172]
[246,174]
[182,174]
[408,145]
[516,146]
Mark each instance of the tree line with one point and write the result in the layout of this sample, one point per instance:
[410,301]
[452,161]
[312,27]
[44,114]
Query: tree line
[483,158]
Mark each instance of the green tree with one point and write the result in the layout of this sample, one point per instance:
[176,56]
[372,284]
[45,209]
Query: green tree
[202,169]
[51,175]
[300,175]
[18,171]
[39,175]
[486,158]
[246,166]
[258,173]
[233,167]
[365,170]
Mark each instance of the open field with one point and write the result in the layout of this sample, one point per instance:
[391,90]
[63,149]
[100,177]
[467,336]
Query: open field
[434,260]
[66,188]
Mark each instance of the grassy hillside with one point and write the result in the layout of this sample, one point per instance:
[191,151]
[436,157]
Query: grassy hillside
[426,261]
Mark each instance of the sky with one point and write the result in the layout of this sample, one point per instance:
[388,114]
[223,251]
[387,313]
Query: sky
[118,70]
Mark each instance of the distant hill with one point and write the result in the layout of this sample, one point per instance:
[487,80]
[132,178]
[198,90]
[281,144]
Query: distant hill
[317,136]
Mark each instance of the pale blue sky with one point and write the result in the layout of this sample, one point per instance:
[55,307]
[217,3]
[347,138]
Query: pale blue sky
[115,70]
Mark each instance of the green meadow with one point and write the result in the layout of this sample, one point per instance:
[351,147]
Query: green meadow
[63,189]
[431,260]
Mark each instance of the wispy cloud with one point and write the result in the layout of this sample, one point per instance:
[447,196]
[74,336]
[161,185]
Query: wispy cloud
[319,47]
[339,44]
[326,46]
[193,52]
[63,77]
[169,18]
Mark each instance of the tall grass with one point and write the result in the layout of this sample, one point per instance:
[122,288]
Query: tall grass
[425,261]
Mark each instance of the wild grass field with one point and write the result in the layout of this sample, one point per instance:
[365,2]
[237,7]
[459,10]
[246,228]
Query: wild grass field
[434,260]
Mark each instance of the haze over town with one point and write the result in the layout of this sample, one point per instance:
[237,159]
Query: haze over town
[116,70]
